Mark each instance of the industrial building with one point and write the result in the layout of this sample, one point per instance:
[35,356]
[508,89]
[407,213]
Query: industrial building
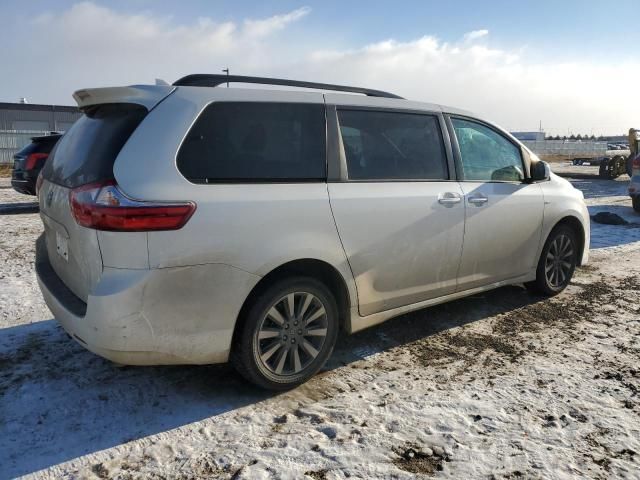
[21,121]
[529,136]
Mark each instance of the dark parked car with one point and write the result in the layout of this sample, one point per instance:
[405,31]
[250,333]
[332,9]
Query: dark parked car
[28,162]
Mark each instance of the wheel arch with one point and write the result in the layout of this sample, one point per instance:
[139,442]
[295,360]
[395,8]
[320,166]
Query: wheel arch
[307,267]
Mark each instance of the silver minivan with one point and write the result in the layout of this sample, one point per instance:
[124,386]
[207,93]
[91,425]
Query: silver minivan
[194,224]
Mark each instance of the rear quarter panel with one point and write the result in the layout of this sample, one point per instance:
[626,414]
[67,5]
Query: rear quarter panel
[253,227]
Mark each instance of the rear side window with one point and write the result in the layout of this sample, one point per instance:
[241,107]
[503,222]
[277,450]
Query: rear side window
[255,142]
[392,146]
[87,152]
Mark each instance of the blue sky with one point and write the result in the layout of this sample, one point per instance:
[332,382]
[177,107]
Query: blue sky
[566,63]
[551,28]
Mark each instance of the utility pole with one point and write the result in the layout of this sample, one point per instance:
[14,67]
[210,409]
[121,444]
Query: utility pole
[226,70]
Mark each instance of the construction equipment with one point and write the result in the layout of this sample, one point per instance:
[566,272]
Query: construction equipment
[633,168]
[613,167]
[634,148]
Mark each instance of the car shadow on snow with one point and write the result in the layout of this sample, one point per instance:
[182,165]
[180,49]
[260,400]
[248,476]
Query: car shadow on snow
[59,401]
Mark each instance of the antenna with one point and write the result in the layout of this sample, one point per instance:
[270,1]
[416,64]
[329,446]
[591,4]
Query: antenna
[226,70]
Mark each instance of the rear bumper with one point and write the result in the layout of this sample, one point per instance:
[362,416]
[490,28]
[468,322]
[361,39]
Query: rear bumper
[28,187]
[182,315]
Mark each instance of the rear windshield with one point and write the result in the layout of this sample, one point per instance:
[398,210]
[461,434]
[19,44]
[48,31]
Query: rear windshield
[38,145]
[26,150]
[87,152]
[45,144]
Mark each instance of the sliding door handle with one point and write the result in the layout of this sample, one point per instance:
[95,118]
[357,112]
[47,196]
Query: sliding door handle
[478,200]
[449,198]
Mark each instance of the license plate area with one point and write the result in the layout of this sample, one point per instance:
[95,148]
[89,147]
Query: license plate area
[62,246]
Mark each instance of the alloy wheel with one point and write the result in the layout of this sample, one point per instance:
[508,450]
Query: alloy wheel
[558,263]
[292,333]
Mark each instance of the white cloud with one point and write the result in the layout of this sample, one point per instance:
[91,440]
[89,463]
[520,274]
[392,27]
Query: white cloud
[475,35]
[498,83]
[264,27]
[92,45]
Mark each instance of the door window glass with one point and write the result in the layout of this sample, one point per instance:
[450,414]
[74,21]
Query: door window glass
[487,155]
[392,146]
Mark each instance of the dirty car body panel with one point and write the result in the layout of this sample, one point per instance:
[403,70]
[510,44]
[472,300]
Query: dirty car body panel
[176,295]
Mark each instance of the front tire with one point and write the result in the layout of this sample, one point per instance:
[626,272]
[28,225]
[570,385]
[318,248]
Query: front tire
[635,201]
[557,262]
[287,334]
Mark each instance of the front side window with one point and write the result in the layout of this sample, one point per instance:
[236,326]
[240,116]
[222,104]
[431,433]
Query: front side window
[255,142]
[392,146]
[487,155]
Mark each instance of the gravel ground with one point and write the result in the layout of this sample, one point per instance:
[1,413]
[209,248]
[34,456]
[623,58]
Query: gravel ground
[499,385]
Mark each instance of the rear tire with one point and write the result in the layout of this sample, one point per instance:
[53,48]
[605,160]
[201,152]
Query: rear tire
[609,168]
[557,262]
[629,166]
[287,334]
[635,201]
[603,171]
[619,166]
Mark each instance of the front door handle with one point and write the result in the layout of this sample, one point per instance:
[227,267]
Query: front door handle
[478,200]
[449,199]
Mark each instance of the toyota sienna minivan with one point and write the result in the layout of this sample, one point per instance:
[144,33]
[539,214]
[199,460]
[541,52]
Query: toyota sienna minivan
[194,224]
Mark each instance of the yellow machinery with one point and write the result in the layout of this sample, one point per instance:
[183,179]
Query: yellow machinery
[633,167]
[634,140]
[619,164]
[634,148]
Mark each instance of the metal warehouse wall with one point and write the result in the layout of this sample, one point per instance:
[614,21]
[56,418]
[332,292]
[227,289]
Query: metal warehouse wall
[21,121]
[570,149]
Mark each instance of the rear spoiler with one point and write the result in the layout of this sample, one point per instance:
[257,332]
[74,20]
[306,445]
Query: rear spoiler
[146,95]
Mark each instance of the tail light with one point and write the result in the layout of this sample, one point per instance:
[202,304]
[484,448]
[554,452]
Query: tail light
[39,181]
[635,166]
[35,159]
[102,206]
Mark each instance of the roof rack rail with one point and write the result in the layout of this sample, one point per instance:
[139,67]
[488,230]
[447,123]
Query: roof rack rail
[213,80]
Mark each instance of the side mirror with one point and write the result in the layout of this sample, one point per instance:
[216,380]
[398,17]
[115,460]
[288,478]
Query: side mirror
[540,171]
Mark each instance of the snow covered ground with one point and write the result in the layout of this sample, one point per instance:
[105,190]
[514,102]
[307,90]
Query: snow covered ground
[500,385]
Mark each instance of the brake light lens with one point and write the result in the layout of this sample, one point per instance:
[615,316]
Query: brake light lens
[39,181]
[35,159]
[635,166]
[102,206]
